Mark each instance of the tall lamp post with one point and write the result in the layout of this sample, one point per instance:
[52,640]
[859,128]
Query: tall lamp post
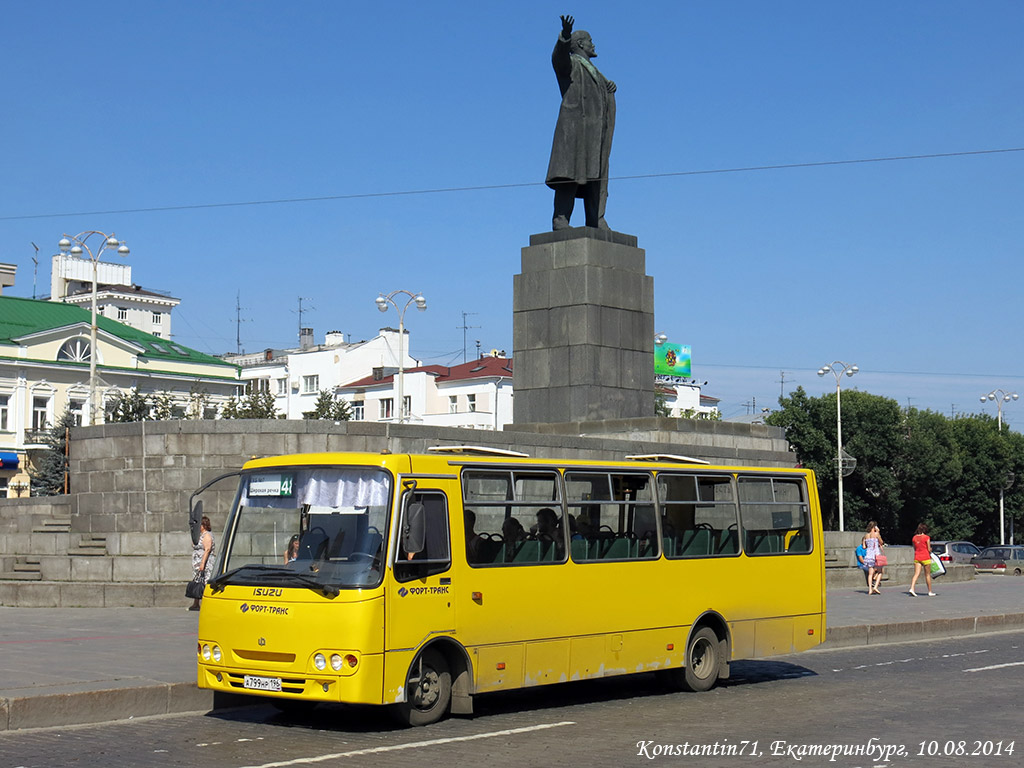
[75,245]
[1000,397]
[382,302]
[837,368]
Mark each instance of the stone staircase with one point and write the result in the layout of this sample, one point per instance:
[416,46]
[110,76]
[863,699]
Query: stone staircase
[89,545]
[24,569]
[43,563]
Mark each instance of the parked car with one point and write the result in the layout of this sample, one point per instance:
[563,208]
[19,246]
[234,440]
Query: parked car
[1003,559]
[956,552]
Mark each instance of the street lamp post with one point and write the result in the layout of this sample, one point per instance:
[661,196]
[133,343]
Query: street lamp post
[75,245]
[382,302]
[1000,397]
[837,368]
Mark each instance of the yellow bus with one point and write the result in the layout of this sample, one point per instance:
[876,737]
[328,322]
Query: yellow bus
[420,581]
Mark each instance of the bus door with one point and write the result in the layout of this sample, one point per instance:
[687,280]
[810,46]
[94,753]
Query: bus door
[420,604]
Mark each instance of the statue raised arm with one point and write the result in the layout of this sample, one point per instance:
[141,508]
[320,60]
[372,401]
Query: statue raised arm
[578,167]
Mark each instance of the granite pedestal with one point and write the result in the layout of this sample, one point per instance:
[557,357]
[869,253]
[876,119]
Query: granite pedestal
[583,328]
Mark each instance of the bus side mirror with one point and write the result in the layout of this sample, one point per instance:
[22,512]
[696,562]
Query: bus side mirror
[414,528]
[195,515]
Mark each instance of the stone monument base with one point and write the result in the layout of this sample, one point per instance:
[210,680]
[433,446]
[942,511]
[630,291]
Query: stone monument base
[583,328]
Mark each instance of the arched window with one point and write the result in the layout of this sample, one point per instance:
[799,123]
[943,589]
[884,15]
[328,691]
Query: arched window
[75,351]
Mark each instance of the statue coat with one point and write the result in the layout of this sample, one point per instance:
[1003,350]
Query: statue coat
[586,121]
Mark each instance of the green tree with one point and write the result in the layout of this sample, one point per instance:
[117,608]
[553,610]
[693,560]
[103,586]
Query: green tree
[162,406]
[986,459]
[328,408]
[252,405]
[661,404]
[929,467]
[198,402]
[128,406]
[50,470]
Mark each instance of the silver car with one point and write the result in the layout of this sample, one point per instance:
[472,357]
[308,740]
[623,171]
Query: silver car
[1003,559]
[955,552]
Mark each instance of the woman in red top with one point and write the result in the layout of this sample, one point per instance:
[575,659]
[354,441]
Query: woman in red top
[922,559]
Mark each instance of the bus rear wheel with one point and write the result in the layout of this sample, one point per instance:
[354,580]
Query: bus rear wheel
[428,690]
[703,658]
[702,665]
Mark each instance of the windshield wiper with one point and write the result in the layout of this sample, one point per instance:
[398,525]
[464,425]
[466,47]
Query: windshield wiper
[328,590]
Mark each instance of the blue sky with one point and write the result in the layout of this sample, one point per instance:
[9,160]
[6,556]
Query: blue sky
[910,269]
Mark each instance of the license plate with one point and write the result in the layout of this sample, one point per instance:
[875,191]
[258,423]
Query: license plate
[254,683]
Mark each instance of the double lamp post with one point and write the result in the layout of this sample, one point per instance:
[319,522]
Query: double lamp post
[76,245]
[1000,397]
[382,302]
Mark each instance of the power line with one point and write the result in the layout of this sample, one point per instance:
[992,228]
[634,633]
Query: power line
[520,185]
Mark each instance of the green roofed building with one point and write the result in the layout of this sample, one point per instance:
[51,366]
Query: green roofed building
[44,369]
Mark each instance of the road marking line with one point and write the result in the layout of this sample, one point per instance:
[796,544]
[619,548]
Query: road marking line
[411,745]
[996,666]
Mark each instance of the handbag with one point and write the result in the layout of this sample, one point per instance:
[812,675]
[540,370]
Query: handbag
[195,588]
[881,561]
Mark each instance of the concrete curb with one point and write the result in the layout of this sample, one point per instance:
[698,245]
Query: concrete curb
[84,703]
[933,629]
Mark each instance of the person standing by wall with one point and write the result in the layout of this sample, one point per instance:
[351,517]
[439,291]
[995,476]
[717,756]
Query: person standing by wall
[202,556]
[922,559]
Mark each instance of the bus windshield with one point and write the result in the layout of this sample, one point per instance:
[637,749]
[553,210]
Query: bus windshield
[317,527]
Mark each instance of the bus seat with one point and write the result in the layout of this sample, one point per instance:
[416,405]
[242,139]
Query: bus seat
[764,542]
[579,549]
[668,545]
[618,549]
[528,552]
[697,543]
[728,543]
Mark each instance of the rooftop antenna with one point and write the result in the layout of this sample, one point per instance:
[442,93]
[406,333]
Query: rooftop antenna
[782,384]
[301,299]
[35,269]
[478,349]
[464,328]
[238,323]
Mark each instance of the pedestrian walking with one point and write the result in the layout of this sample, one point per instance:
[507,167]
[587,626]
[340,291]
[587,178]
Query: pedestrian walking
[874,559]
[922,559]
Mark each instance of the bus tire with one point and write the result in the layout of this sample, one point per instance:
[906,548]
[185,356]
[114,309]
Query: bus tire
[428,690]
[703,659]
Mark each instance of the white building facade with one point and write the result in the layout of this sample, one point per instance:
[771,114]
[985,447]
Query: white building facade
[297,376]
[474,395]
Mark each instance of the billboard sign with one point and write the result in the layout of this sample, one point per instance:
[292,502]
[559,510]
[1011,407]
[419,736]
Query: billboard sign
[672,359]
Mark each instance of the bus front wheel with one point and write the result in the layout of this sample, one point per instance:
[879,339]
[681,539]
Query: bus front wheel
[428,690]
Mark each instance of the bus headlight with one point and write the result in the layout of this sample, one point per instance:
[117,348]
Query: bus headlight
[336,662]
[206,652]
[216,653]
[320,662]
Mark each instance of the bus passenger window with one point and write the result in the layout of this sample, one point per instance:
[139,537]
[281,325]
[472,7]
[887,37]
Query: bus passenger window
[613,515]
[698,515]
[775,515]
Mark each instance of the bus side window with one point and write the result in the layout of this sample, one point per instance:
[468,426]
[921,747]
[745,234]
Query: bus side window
[435,557]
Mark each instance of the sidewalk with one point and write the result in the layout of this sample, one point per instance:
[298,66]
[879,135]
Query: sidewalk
[64,666]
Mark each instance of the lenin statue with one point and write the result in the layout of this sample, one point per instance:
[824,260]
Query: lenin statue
[583,134]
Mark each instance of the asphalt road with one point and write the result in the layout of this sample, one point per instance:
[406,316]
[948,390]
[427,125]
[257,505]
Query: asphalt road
[938,704]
